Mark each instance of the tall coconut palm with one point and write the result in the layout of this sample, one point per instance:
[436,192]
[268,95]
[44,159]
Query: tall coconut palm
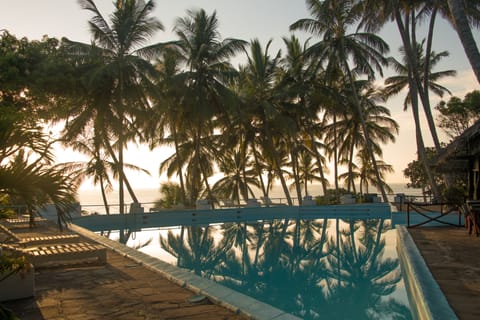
[366,50]
[406,15]
[381,128]
[462,26]
[397,83]
[308,170]
[208,69]
[99,166]
[118,75]
[242,131]
[238,177]
[363,171]
[198,167]
[299,76]
[165,125]
[264,101]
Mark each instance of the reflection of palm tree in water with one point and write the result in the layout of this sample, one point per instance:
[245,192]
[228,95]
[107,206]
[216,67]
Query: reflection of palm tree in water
[198,251]
[298,267]
[360,274]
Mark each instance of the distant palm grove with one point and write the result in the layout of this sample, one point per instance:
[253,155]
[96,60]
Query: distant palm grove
[279,117]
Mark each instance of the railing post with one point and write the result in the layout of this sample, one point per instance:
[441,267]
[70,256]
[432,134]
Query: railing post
[408,214]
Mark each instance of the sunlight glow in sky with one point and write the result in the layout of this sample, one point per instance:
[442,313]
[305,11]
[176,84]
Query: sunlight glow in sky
[246,19]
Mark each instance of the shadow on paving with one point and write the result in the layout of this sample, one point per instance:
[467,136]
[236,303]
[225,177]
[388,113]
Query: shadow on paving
[120,289]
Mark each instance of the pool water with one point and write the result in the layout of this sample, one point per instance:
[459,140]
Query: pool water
[314,269]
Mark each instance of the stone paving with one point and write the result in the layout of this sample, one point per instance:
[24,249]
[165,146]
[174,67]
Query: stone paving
[120,289]
[453,258]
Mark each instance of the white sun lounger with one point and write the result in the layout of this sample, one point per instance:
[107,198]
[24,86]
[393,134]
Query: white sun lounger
[22,222]
[29,241]
[60,254]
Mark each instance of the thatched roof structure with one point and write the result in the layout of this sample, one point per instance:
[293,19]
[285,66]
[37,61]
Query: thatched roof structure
[457,156]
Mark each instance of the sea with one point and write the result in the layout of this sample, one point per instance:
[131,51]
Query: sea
[91,199]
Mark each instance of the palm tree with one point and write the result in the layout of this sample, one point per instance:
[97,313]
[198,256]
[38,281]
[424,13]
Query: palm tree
[238,177]
[457,9]
[99,167]
[366,174]
[407,14]
[198,167]
[208,70]
[116,76]
[264,102]
[366,50]
[395,84]
[242,133]
[300,77]
[380,126]
[308,170]
[27,175]
[165,125]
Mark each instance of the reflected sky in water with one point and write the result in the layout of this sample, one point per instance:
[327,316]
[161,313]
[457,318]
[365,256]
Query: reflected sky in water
[315,269]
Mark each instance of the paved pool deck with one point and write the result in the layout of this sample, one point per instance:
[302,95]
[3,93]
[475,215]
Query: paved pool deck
[120,289]
[453,258]
[125,289]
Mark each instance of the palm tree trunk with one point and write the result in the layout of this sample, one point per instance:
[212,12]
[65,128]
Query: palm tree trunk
[104,197]
[422,154]
[121,199]
[426,79]
[196,161]
[121,173]
[422,89]
[365,132]
[319,163]
[351,184]
[465,34]
[409,44]
[244,173]
[305,182]
[259,171]
[282,179]
[294,156]
[207,185]
[335,153]
[414,97]
[180,173]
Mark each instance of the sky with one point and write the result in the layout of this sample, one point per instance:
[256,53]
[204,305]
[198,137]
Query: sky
[247,20]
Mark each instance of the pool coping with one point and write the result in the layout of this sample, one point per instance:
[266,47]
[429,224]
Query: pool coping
[217,293]
[427,300]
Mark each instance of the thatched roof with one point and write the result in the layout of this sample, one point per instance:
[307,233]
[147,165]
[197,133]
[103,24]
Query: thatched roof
[461,149]
[465,145]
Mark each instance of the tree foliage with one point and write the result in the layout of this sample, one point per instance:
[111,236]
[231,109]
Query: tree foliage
[456,115]
[28,173]
[415,171]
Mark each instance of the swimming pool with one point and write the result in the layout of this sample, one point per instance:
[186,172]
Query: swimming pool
[314,268]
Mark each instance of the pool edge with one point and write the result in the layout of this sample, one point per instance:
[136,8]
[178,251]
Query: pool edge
[219,294]
[427,300]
